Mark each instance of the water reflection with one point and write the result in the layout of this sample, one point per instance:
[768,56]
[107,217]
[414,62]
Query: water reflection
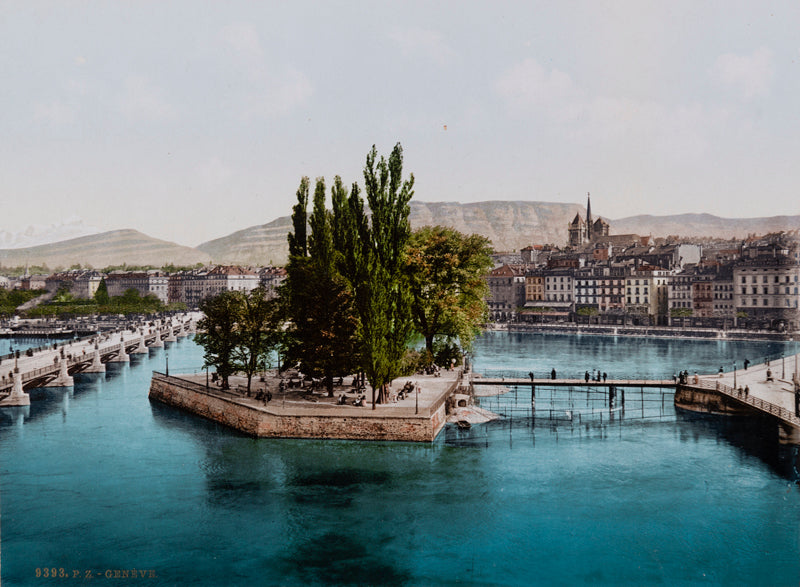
[754,436]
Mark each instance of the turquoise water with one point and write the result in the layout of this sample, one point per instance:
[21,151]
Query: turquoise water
[96,479]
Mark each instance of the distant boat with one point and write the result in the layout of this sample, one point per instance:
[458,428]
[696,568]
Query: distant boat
[464,424]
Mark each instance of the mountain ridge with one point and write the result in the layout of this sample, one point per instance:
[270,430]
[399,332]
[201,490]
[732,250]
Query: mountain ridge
[510,225]
[114,247]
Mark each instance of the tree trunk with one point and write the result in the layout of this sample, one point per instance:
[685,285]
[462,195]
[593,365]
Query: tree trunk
[383,395]
[429,345]
[329,384]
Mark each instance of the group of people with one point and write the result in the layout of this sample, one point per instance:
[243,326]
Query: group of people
[264,396]
[341,400]
[595,375]
[683,377]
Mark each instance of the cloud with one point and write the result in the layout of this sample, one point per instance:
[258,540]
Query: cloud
[214,172]
[751,75]
[425,42]
[243,39]
[565,111]
[528,85]
[54,112]
[263,89]
[141,99]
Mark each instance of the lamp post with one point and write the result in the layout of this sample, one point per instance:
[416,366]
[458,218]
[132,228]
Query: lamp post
[734,375]
[166,356]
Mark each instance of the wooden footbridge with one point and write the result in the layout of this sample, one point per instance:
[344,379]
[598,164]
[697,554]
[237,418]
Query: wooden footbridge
[512,381]
[758,392]
[54,365]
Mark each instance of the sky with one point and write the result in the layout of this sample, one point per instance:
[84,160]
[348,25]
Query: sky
[189,120]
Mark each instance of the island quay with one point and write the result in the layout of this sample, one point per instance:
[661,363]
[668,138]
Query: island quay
[417,412]
[429,402]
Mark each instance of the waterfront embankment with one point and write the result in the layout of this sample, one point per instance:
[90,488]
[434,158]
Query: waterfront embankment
[303,413]
[646,331]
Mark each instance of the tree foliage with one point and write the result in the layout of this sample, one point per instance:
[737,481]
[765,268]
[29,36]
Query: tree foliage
[321,337]
[258,331]
[217,333]
[238,331]
[374,250]
[446,272]
[101,295]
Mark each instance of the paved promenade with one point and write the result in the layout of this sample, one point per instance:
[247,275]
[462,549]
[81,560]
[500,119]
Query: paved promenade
[779,391]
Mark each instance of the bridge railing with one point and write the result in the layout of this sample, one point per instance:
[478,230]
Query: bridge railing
[577,376]
[756,402]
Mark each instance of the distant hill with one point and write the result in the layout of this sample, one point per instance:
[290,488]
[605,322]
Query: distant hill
[108,248]
[509,225]
[264,244]
[703,225]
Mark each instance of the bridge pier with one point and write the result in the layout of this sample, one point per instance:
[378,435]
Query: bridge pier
[122,356]
[171,336]
[64,379]
[157,343]
[142,348]
[97,365]
[182,331]
[18,396]
[788,434]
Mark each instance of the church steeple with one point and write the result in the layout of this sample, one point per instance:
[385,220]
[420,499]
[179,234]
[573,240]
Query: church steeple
[588,218]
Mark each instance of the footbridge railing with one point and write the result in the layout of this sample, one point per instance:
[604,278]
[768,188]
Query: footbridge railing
[750,400]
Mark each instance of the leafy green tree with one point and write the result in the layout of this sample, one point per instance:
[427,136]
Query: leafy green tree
[374,250]
[101,295]
[298,242]
[446,273]
[258,330]
[323,325]
[218,334]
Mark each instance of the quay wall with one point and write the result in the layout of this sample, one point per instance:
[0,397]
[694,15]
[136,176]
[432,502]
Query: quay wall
[345,422]
[645,331]
[707,401]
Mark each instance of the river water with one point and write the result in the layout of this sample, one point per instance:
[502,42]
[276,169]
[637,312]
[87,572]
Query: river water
[97,481]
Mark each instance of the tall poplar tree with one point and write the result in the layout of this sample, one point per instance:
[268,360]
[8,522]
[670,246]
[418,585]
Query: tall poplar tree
[374,249]
[323,323]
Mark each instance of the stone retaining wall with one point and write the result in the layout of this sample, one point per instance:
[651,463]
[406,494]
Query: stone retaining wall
[340,422]
[696,400]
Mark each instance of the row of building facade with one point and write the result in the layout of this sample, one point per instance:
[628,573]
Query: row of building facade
[752,285]
[188,287]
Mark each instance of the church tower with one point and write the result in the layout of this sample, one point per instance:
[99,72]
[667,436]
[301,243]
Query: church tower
[589,225]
